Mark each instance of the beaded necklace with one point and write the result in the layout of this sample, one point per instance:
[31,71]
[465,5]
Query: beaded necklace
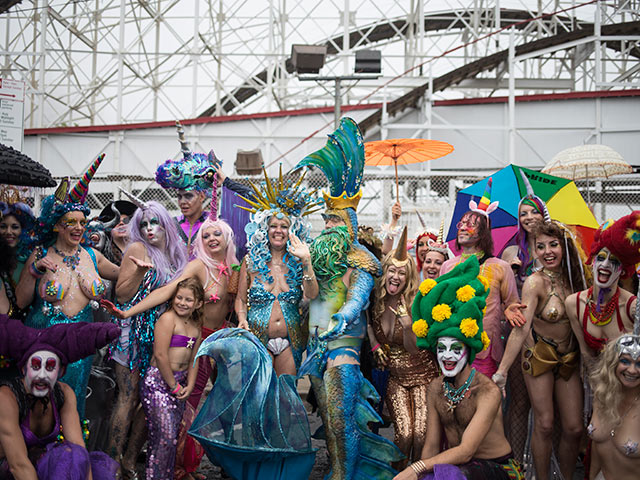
[455,395]
[71,261]
[604,316]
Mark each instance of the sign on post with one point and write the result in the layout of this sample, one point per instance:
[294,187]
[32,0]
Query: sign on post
[12,112]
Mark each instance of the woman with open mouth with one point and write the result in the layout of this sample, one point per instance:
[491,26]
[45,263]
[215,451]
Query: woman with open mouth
[615,424]
[394,348]
[155,256]
[605,310]
[549,351]
[62,279]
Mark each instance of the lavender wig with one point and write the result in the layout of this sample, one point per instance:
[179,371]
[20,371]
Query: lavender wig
[200,250]
[170,260]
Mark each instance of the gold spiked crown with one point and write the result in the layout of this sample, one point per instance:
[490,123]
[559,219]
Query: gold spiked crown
[342,201]
[278,198]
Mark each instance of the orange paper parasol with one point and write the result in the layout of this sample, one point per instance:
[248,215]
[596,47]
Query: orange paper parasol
[403,151]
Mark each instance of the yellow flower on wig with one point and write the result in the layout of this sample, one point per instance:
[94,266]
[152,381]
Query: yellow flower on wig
[441,312]
[485,340]
[466,293]
[483,281]
[484,311]
[427,285]
[420,328]
[469,327]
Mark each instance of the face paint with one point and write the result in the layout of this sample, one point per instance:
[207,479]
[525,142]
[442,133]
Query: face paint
[468,228]
[606,269]
[152,230]
[41,373]
[452,355]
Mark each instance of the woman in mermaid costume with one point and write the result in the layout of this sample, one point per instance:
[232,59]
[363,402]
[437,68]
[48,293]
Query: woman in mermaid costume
[154,257]
[275,271]
[63,278]
[394,348]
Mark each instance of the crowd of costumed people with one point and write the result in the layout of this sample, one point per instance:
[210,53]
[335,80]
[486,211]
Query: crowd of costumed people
[488,363]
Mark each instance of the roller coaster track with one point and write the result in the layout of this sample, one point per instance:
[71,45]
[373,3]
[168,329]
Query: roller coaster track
[490,62]
[367,35]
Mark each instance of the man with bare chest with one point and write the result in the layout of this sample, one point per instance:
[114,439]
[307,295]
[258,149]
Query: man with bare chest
[464,403]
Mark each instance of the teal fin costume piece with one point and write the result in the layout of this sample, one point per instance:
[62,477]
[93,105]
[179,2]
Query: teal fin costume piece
[357,452]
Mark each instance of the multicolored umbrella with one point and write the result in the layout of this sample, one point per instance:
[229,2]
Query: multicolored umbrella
[564,202]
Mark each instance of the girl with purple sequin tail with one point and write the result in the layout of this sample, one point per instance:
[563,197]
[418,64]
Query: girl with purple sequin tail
[171,376]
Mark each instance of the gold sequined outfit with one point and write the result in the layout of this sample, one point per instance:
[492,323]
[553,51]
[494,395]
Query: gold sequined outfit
[406,398]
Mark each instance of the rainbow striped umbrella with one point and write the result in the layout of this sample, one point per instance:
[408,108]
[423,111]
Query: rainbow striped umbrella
[564,202]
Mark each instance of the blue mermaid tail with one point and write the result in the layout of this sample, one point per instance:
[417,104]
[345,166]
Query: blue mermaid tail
[356,452]
[253,422]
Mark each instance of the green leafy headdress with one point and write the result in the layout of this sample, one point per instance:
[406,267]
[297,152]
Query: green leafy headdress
[453,305]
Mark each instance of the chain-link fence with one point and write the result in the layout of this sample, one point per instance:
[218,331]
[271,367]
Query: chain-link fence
[426,199]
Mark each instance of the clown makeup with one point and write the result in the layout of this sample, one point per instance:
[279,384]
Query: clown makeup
[278,232]
[396,279]
[606,269]
[452,355]
[10,229]
[41,373]
[152,230]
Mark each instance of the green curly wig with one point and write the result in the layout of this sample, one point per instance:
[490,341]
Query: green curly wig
[452,306]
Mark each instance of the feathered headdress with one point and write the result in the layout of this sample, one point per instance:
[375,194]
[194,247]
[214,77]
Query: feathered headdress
[194,171]
[342,162]
[65,200]
[622,238]
[279,199]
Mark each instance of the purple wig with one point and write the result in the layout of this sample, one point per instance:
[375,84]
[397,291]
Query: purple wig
[199,248]
[170,260]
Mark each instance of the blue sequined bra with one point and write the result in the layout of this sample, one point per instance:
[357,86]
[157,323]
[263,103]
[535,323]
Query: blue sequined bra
[260,303]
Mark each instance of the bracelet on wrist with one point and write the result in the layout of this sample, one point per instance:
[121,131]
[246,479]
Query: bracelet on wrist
[375,348]
[418,467]
[176,389]
[35,271]
[308,278]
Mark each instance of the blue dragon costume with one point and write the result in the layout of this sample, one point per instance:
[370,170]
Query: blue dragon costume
[337,322]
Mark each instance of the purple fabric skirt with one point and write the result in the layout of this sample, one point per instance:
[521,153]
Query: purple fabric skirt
[68,461]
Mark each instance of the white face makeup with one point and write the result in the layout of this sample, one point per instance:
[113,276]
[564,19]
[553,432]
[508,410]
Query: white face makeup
[606,269]
[152,230]
[41,373]
[452,355]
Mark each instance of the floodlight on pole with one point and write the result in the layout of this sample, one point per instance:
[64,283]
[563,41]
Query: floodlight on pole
[310,59]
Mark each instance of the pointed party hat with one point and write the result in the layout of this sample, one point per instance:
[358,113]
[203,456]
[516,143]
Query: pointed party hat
[79,192]
[532,199]
[485,207]
[400,256]
[135,200]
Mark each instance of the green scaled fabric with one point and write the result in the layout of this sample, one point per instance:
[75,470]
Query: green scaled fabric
[341,159]
[465,315]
